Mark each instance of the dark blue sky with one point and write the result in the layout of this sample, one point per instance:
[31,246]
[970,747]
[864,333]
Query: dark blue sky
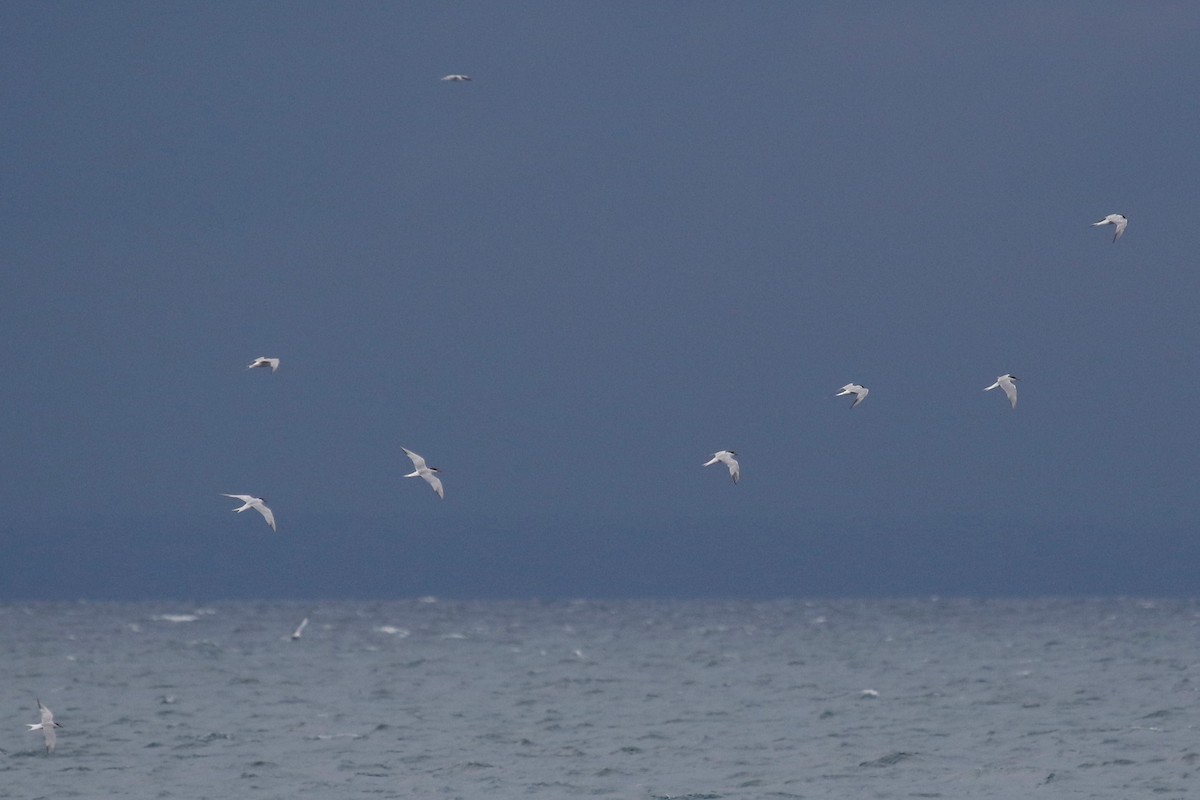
[643,233]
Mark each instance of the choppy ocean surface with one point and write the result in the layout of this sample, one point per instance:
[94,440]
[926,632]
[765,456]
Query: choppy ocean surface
[439,699]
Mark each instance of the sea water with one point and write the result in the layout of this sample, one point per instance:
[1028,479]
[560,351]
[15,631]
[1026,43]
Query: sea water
[632,699]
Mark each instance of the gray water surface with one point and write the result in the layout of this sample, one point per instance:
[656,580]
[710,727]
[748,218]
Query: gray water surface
[1004,699]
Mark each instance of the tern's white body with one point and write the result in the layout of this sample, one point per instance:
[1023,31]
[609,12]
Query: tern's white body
[421,470]
[457,78]
[860,393]
[729,459]
[257,504]
[263,361]
[1005,382]
[296,634]
[1116,220]
[46,726]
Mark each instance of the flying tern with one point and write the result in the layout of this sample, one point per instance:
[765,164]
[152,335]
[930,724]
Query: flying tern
[1005,382]
[46,726]
[457,78]
[420,470]
[860,393]
[296,634]
[263,361]
[1117,220]
[728,458]
[257,503]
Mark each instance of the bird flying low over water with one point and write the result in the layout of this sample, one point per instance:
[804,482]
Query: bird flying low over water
[457,78]
[257,503]
[296,634]
[860,393]
[728,458]
[263,361]
[420,470]
[46,726]
[1117,220]
[1005,382]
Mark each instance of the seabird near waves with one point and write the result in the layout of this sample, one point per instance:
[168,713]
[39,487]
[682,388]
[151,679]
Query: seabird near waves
[263,361]
[456,78]
[46,726]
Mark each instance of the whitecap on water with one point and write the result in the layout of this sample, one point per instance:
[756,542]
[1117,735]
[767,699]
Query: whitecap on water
[392,631]
[325,736]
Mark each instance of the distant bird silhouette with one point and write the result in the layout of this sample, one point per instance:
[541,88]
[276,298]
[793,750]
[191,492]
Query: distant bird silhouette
[420,470]
[1005,382]
[263,361]
[457,78]
[257,503]
[728,458]
[1117,220]
[860,393]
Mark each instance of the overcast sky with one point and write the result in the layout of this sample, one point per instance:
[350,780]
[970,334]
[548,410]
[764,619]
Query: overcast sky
[644,232]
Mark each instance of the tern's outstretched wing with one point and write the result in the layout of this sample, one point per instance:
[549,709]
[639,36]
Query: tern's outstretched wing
[435,482]
[46,726]
[1010,389]
[418,461]
[268,515]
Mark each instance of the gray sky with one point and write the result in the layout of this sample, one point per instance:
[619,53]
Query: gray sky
[643,233]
